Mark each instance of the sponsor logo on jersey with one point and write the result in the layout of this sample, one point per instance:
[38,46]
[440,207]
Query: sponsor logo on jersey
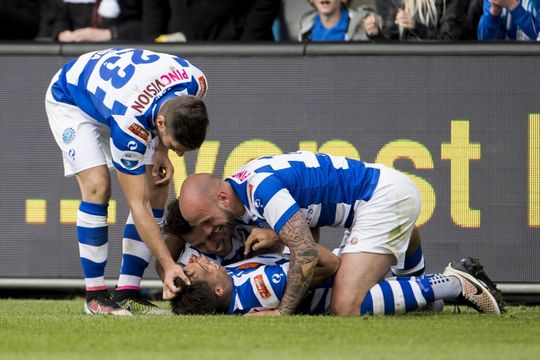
[156,87]
[248,265]
[276,278]
[261,287]
[193,258]
[139,131]
[131,159]
[258,204]
[68,135]
[202,86]
[241,175]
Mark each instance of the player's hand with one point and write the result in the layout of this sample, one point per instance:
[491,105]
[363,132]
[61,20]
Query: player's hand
[404,20]
[163,169]
[85,34]
[260,238]
[263,312]
[371,25]
[174,279]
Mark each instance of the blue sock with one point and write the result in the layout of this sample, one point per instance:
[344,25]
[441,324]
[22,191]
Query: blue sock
[135,255]
[414,265]
[400,295]
[92,232]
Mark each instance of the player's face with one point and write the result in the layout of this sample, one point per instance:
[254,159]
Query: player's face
[213,220]
[219,242]
[206,271]
[171,144]
[327,7]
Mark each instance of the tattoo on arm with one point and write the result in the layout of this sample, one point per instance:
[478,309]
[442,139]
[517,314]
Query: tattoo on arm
[297,236]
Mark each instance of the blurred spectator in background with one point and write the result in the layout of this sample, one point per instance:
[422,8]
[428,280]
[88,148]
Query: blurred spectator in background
[473,11]
[19,20]
[48,14]
[219,20]
[97,20]
[421,19]
[333,20]
[509,19]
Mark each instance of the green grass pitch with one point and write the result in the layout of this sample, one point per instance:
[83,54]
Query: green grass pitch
[57,329]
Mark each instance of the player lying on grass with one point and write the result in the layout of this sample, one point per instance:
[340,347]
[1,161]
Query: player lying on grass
[260,282]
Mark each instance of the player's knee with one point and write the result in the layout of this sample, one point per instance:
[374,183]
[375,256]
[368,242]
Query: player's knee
[97,192]
[345,306]
[344,309]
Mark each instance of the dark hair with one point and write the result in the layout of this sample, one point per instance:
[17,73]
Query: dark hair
[174,223]
[187,120]
[196,299]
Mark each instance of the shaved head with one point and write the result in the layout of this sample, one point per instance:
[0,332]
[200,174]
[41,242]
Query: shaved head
[198,194]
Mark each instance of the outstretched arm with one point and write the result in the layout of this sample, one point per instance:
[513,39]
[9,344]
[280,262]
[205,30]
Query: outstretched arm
[136,189]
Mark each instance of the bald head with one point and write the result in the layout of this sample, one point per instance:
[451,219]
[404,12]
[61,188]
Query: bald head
[198,195]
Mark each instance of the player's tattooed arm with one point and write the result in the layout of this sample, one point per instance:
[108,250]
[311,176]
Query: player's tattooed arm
[304,253]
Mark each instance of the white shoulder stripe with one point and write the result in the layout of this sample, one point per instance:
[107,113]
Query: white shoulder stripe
[74,73]
[276,207]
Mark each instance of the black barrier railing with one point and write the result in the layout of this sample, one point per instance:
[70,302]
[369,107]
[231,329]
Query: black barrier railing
[287,49]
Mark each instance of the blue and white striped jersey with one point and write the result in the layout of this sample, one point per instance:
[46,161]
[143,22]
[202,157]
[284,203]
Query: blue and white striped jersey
[325,188]
[258,282]
[123,89]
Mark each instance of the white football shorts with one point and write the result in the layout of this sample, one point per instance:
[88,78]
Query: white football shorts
[85,142]
[383,225]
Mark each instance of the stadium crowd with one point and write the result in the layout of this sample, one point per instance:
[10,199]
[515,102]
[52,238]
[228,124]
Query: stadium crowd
[268,20]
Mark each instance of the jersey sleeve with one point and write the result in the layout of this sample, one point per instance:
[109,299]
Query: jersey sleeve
[129,142]
[200,78]
[272,200]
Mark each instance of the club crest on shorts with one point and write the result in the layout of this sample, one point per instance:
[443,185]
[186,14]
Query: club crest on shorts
[68,135]
[131,159]
[353,240]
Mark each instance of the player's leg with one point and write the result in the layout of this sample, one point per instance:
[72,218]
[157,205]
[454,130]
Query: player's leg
[136,256]
[415,264]
[92,227]
[463,282]
[399,295]
[357,274]
[379,238]
[81,140]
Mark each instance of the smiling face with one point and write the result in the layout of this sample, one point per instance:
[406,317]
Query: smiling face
[218,242]
[208,272]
